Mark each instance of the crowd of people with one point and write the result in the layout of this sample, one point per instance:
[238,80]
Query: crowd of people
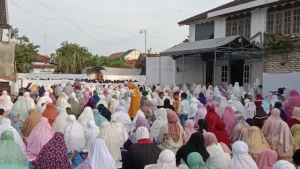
[129,126]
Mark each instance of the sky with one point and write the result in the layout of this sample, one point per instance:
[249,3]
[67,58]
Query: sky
[105,26]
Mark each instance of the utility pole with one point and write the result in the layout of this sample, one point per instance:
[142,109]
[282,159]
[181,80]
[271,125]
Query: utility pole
[145,32]
[45,36]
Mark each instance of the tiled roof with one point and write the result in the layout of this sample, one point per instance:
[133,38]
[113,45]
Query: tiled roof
[43,58]
[113,55]
[46,66]
[151,55]
[204,14]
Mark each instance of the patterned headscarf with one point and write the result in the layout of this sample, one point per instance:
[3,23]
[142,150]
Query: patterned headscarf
[173,127]
[53,154]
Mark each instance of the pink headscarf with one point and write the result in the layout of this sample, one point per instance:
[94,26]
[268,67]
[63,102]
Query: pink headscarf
[267,159]
[209,139]
[271,122]
[200,114]
[189,130]
[296,113]
[38,137]
[84,100]
[228,119]
[219,111]
[293,102]
[225,148]
[282,135]
[173,127]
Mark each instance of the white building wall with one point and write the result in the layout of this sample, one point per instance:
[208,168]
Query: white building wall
[134,55]
[37,70]
[191,72]
[192,34]
[220,27]
[257,69]
[258,22]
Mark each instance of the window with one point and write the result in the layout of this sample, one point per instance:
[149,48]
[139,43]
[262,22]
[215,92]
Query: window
[287,22]
[234,28]
[284,19]
[247,33]
[296,26]
[224,77]
[270,22]
[204,31]
[278,26]
[239,25]
[228,27]
[247,74]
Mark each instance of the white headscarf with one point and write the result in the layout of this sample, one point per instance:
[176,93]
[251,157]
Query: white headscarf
[91,134]
[73,94]
[60,123]
[166,160]
[114,104]
[239,105]
[193,108]
[44,99]
[250,111]
[274,100]
[161,120]
[122,112]
[184,88]
[197,91]
[230,89]
[112,140]
[230,103]
[138,114]
[256,84]
[29,100]
[74,135]
[102,101]
[283,164]
[236,90]
[6,125]
[223,103]
[85,116]
[183,166]
[99,156]
[241,158]
[142,133]
[6,103]
[119,126]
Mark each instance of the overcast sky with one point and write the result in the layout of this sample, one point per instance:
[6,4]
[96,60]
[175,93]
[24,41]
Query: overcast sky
[117,22]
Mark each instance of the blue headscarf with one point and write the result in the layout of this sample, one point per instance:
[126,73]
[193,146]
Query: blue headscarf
[283,116]
[202,99]
[96,98]
[11,116]
[266,106]
[98,117]
[42,91]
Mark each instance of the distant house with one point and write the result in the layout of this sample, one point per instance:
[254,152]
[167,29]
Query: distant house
[132,56]
[42,64]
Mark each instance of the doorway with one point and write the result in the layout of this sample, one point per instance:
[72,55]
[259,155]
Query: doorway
[236,71]
[209,73]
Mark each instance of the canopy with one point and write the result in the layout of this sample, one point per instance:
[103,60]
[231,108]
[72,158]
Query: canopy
[227,44]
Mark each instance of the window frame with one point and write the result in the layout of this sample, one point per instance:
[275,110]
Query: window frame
[224,73]
[247,74]
[236,29]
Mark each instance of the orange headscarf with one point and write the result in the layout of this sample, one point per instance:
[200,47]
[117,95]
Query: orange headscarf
[32,120]
[50,113]
[135,100]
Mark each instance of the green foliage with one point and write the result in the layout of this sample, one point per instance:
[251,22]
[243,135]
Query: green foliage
[25,51]
[278,44]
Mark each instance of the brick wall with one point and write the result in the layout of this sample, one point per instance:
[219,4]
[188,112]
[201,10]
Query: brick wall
[284,63]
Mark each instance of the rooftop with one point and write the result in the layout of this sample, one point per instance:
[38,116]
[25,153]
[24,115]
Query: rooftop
[204,14]
[42,58]
[113,55]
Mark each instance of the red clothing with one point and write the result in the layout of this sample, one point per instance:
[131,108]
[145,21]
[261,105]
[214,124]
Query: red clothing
[221,133]
[211,118]
[292,103]
[144,141]
[292,121]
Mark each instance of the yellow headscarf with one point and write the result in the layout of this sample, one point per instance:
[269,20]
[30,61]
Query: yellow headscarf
[135,100]
[296,134]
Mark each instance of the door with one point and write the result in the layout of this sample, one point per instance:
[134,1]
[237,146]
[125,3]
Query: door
[236,71]
[247,75]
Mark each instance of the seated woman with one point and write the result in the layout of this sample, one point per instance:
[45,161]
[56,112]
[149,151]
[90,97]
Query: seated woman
[32,120]
[218,158]
[171,135]
[99,156]
[53,154]
[166,160]
[141,153]
[240,131]
[11,154]
[195,161]
[39,136]
[75,140]
[295,119]
[267,159]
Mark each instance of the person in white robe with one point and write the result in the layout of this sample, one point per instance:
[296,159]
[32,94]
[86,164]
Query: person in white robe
[193,108]
[60,123]
[29,100]
[44,99]
[197,91]
[230,103]
[230,89]
[112,140]
[138,114]
[73,94]
[113,106]
[91,134]
[85,116]
[166,160]
[236,90]
[6,104]
[161,120]
[256,83]
[6,125]
[223,104]
[274,99]
[119,126]
[250,111]
[122,112]
[238,105]
[62,102]
[102,101]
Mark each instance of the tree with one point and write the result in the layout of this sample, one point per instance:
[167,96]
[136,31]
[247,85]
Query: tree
[25,51]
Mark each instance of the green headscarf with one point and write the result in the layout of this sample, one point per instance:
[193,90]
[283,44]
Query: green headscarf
[144,93]
[11,154]
[98,117]
[69,111]
[195,161]
[22,108]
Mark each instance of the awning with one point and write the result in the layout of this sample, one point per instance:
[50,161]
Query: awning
[226,44]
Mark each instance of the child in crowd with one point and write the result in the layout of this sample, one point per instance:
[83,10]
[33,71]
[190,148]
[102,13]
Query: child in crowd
[184,107]
[176,101]
[160,100]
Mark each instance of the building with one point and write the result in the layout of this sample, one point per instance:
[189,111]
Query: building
[42,64]
[220,42]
